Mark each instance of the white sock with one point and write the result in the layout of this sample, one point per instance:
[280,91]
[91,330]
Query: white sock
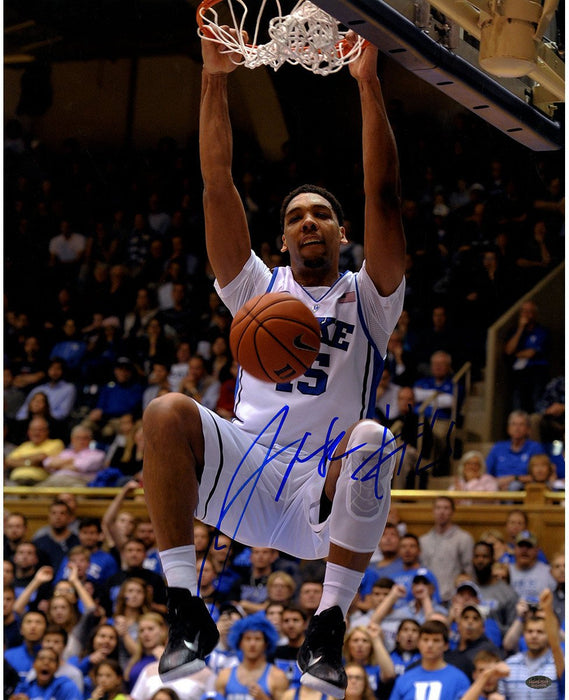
[179,566]
[340,587]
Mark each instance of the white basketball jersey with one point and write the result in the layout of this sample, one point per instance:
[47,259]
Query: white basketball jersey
[312,412]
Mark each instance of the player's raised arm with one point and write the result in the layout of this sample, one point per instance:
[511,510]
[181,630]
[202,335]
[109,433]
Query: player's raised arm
[384,240]
[227,234]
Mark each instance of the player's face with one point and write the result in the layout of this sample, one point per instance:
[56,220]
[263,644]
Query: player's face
[431,646]
[312,234]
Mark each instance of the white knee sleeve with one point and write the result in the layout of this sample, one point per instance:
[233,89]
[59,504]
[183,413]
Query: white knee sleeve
[363,490]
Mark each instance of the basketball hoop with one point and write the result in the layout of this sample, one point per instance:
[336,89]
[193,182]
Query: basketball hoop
[308,37]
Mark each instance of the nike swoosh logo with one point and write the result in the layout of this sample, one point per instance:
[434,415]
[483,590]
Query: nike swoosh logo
[192,646]
[314,660]
[297,342]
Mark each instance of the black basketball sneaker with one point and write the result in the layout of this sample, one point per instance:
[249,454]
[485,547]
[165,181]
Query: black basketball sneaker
[192,635]
[320,657]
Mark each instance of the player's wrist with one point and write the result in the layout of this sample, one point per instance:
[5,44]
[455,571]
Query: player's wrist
[213,74]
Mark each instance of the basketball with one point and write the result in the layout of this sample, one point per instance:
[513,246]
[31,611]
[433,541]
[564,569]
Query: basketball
[275,337]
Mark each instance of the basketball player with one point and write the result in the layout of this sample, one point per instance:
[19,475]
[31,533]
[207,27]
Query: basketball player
[300,468]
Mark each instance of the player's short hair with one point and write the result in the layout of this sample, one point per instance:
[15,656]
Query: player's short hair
[323,192]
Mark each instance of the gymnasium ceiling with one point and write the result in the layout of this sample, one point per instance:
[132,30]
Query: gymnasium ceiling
[71,30]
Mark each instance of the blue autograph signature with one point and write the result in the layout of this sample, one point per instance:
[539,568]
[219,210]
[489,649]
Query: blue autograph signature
[369,469]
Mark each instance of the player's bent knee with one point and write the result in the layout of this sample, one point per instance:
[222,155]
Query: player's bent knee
[363,488]
[169,412]
[372,436]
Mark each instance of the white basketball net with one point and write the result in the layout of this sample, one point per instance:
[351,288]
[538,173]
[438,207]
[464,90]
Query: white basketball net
[308,36]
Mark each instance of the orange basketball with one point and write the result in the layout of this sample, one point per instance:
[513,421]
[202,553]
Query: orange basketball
[275,337]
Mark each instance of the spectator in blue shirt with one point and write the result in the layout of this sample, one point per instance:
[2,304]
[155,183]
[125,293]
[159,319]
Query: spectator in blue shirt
[406,651]
[439,381]
[32,629]
[528,348]
[45,685]
[102,565]
[433,675]
[120,396]
[508,459]
[438,388]
[410,553]
[59,539]
[60,394]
